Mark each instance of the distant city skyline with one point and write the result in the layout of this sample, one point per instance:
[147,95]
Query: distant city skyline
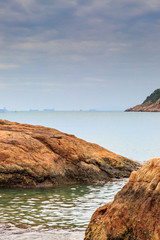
[4,109]
[72,55]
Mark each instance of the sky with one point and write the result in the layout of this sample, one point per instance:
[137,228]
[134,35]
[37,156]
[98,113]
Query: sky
[78,54]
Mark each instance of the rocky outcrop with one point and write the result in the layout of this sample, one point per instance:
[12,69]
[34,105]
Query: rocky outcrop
[151,104]
[42,157]
[135,212]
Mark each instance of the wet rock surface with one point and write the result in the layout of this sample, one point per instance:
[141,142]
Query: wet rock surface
[36,156]
[135,212]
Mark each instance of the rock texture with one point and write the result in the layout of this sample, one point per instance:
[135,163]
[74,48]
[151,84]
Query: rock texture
[151,104]
[42,157]
[135,212]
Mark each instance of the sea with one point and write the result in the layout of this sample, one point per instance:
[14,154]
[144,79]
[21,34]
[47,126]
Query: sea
[63,213]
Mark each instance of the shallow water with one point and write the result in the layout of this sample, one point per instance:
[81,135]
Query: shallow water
[67,208]
[11,232]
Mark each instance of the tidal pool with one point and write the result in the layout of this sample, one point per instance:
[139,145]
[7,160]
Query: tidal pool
[52,213]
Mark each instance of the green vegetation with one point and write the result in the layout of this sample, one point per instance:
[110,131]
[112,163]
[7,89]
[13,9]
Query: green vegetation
[153,97]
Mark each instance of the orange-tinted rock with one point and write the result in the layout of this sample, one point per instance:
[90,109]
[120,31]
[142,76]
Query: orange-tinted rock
[135,212]
[146,107]
[40,156]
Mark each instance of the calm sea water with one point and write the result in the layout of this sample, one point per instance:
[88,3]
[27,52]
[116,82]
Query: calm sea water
[63,213]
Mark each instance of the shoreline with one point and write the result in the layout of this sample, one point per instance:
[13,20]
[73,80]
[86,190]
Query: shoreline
[9,231]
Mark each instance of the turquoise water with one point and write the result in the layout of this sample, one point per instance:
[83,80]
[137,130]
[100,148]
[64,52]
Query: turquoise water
[63,213]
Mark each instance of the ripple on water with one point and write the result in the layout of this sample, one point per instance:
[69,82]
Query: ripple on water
[67,208]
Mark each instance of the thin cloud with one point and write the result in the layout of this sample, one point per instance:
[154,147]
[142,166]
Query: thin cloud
[94,80]
[76,44]
[8,66]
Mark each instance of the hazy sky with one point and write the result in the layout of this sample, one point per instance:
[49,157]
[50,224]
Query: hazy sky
[78,54]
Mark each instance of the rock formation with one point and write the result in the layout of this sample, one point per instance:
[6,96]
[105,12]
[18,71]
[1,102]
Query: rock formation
[151,104]
[135,212]
[42,157]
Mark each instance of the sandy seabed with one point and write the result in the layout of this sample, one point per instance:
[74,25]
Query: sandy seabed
[11,232]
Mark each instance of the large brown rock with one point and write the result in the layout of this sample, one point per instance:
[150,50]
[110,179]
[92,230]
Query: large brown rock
[135,212]
[42,157]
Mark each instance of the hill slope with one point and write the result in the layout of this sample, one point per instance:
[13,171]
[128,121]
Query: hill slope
[151,104]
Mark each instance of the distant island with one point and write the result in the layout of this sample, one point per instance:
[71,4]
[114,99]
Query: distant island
[2,110]
[151,104]
[50,109]
[45,110]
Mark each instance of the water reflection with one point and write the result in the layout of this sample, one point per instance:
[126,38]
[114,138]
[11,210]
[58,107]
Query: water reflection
[66,207]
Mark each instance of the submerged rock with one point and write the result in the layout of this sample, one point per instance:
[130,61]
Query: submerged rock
[135,212]
[44,157]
